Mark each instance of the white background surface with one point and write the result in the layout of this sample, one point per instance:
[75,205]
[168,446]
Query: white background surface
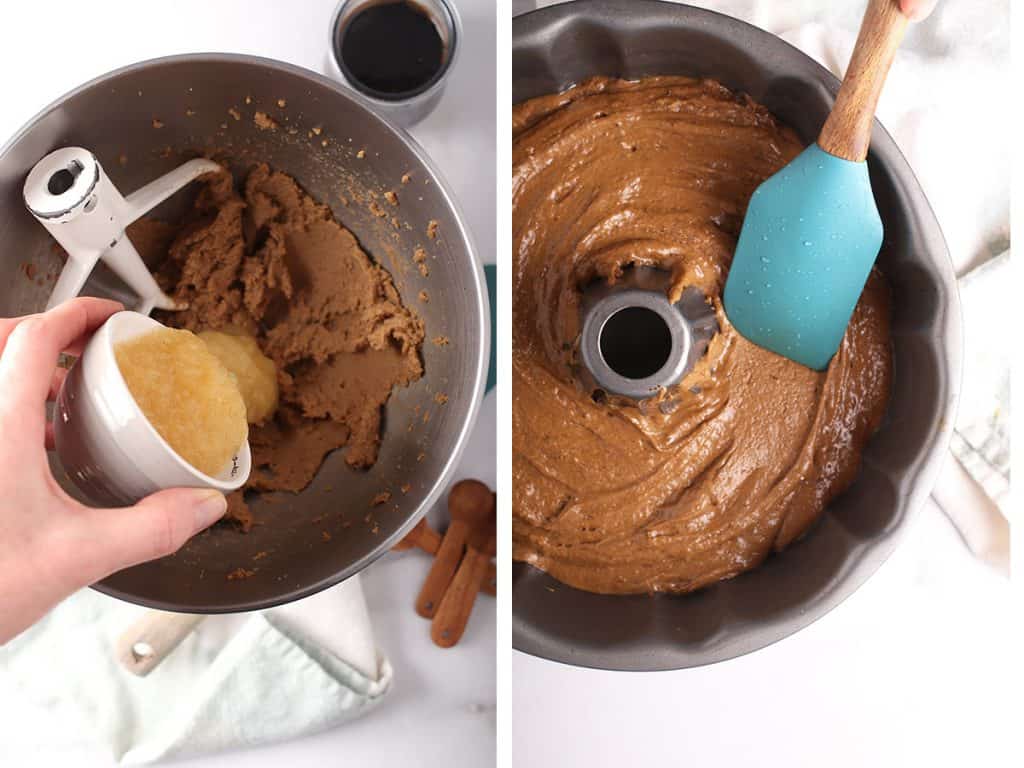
[915,669]
[441,710]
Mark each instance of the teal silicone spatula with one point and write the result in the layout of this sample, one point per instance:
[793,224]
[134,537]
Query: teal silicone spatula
[812,231]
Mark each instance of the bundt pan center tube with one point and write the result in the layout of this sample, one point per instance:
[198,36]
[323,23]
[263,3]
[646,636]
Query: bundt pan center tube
[563,45]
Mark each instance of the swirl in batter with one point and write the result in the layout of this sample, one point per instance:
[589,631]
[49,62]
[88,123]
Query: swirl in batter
[705,480]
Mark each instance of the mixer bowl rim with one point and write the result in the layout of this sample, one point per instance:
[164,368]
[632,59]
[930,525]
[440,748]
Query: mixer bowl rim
[920,477]
[477,288]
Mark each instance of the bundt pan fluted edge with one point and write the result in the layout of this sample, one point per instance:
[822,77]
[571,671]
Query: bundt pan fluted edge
[564,44]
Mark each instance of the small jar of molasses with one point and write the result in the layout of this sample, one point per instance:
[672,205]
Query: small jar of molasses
[395,53]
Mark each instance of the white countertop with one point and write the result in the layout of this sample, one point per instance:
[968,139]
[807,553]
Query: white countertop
[441,698]
[909,671]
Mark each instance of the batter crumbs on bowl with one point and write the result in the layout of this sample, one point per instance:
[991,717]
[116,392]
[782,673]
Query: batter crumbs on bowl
[419,257]
[264,121]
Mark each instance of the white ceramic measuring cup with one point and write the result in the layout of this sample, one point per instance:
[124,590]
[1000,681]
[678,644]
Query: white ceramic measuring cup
[107,446]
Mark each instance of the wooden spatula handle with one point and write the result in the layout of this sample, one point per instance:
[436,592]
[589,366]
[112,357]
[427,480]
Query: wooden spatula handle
[457,604]
[148,641]
[442,569]
[847,131]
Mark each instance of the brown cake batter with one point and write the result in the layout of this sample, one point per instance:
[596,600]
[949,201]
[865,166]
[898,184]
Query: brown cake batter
[739,459]
[276,264]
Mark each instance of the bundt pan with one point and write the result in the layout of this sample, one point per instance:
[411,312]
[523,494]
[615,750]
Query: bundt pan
[191,95]
[561,45]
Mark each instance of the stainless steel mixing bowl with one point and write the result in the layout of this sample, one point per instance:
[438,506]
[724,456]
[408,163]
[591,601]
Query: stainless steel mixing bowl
[335,146]
[565,44]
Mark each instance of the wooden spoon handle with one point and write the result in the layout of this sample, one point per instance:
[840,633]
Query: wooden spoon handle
[442,569]
[422,536]
[428,540]
[847,131]
[148,641]
[453,614]
[490,585]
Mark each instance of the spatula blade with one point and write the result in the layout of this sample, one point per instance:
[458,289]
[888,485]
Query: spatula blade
[809,239]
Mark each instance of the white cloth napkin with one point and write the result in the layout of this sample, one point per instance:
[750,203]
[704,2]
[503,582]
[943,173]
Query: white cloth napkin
[239,680]
[973,490]
[945,103]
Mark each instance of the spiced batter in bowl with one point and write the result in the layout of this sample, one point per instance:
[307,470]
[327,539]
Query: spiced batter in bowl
[566,45]
[269,261]
[346,214]
[623,497]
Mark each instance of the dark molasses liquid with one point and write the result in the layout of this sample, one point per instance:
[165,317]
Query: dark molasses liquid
[392,49]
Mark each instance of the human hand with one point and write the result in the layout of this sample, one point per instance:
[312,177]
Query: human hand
[916,10]
[51,545]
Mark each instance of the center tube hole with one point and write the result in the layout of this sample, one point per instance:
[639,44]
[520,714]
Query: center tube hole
[635,342]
